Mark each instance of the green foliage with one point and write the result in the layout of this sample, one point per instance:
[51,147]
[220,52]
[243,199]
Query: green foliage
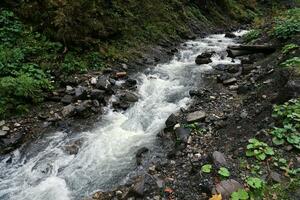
[194,127]
[258,149]
[252,35]
[241,194]
[293,62]
[287,25]
[206,168]
[224,172]
[283,164]
[289,47]
[288,115]
[255,183]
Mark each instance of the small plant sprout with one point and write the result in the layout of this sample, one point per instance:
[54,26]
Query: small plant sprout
[258,149]
[241,194]
[224,172]
[206,168]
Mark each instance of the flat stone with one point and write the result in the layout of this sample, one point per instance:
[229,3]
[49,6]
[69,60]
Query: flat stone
[219,159]
[275,177]
[5,128]
[67,99]
[182,134]
[226,188]
[69,88]
[68,110]
[3,133]
[196,116]
[230,81]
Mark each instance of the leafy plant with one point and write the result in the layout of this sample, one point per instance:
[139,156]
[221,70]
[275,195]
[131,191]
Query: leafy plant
[224,172]
[287,25]
[283,164]
[255,183]
[241,194]
[293,62]
[288,115]
[258,149]
[195,128]
[252,35]
[206,168]
[289,47]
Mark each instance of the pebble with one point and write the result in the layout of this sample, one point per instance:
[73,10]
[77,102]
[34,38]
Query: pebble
[93,81]
[17,125]
[2,122]
[3,133]
[5,128]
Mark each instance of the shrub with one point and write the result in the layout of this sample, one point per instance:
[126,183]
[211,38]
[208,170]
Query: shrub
[293,62]
[289,47]
[258,149]
[287,25]
[252,35]
[289,116]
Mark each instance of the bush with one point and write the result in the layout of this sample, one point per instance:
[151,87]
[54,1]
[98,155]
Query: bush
[252,35]
[289,47]
[287,25]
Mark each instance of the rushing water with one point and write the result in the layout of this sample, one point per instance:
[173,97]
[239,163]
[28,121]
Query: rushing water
[44,171]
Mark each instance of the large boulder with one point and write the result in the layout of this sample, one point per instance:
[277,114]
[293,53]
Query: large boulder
[127,96]
[171,121]
[103,83]
[204,58]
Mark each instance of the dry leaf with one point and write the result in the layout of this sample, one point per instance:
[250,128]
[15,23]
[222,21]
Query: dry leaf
[216,197]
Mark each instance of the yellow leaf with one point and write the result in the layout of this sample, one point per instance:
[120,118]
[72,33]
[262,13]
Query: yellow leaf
[216,197]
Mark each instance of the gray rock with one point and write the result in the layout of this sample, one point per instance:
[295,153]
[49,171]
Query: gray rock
[275,177]
[5,128]
[103,83]
[2,122]
[97,94]
[139,155]
[201,61]
[138,187]
[171,121]
[219,159]
[129,97]
[230,81]
[244,114]
[69,88]
[3,133]
[226,188]
[73,147]
[82,107]
[81,92]
[68,111]
[67,99]
[230,35]
[196,116]
[182,134]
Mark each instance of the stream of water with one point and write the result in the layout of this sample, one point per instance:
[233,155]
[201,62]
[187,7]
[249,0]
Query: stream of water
[44,171]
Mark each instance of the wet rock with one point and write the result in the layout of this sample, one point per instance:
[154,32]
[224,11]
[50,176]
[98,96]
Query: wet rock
[103,83]
[219,159]
[93,81]
[82,107]
[201,61]
[81,93]
[230,81]
[129,97]
[221,67]
[130,83]
[67,99]
[223,77]
[69,89]
[230,35]
[196,116]
[171,121]
[243,89]
[139,155]
[68,111]
[138,188]
[182,134]
[12,142]
[97,94]
[227,187]
[198,93]
[73,147]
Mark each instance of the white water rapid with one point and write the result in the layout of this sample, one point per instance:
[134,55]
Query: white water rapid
[44,171]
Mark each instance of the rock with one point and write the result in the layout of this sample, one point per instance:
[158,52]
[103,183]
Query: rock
[198,93]
[17,124]
[67,99]
[93,81]
[138,187]
[68,111]
[182,134]
[171,121]
[139,155]
[129,97]
[221,67]
[2,122]
[275,177]
[97,94]
[121,74]
[3,133]
[82,107]
[233,87]
[244,114]
[230,81]
[5,128]
[201,61]
[222,77]
[69,89]
[103,83]
[226,188]
[12,142]
[130,82]
[81,93]
[73,148]
[230,35]
[219,159]
[196,116]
